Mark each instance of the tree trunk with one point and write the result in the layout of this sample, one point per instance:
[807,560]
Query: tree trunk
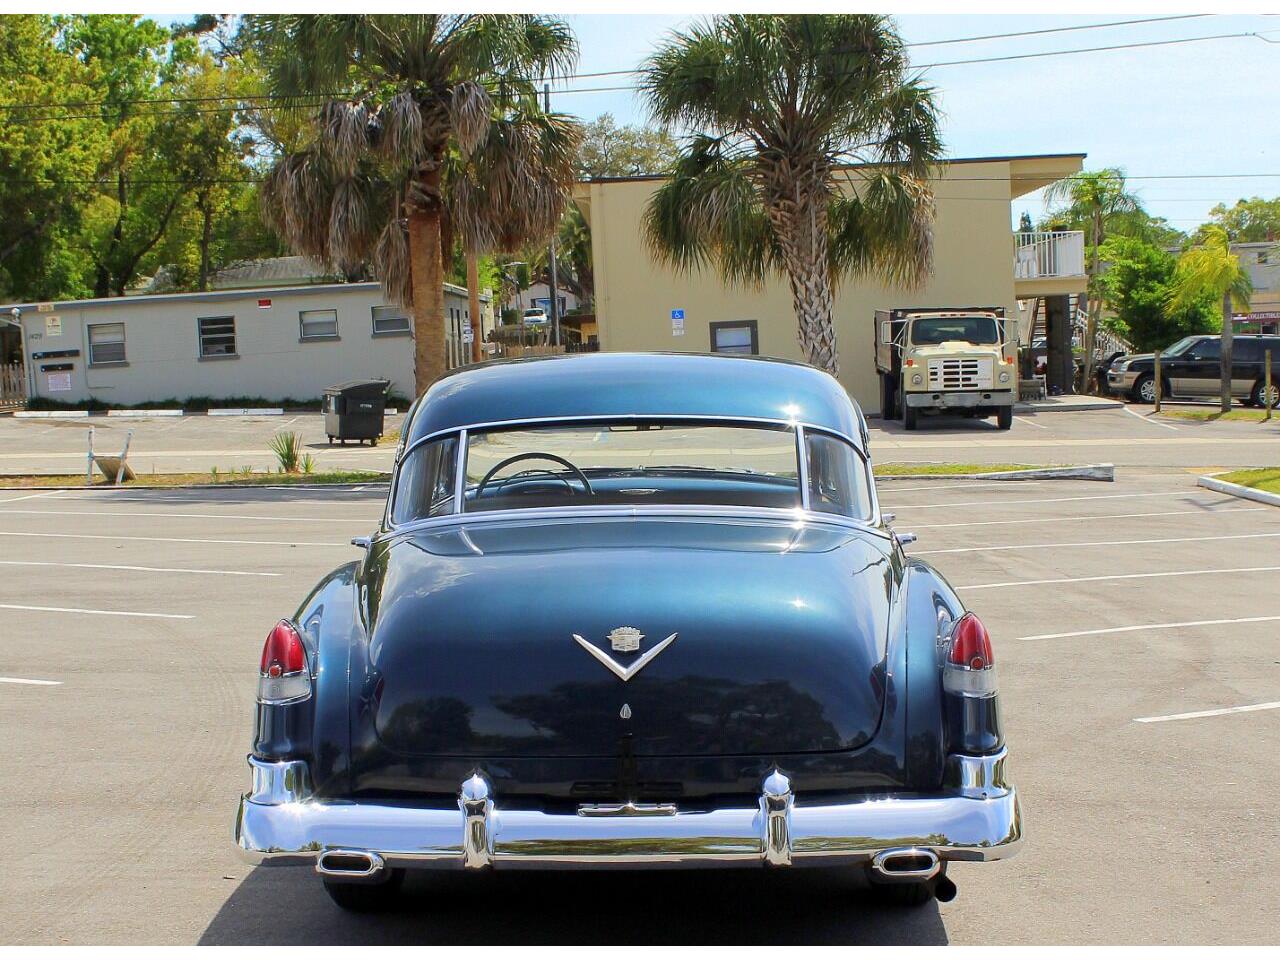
[473,298]
[206,239]
[426,284]
[1228,331]
[797,210]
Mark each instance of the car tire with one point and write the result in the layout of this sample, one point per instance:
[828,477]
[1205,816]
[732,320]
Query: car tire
[1257,398]
[1144,390]
[366,897]
[913,894]
[1004,418]
[908,416]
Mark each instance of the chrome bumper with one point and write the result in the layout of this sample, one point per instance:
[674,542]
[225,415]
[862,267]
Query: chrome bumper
[959,399]
[976,817]
[1121,380]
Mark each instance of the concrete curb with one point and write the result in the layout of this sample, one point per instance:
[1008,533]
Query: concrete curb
[146,413]
[1068,407]
[246,412]
[207,486]
[50,414]
[1093,471]
[1236,490]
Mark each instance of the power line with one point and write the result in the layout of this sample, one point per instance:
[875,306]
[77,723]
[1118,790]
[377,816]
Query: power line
[321,98]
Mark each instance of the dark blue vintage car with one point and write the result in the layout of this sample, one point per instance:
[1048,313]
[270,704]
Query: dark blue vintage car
[626,611]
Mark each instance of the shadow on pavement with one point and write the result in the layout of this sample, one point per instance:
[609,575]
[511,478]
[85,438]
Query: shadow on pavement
[287,905]
[373,491]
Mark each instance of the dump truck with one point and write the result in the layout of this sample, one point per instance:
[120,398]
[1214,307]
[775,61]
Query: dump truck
[946,360]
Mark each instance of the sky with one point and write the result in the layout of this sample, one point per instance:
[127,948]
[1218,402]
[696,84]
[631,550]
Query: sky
[1196,108]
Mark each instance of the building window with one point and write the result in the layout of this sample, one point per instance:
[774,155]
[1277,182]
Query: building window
[318,324]
[388,320]
[106,343]
[217,336]
[735,336]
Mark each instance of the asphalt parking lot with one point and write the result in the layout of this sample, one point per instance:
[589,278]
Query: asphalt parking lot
[1110,604]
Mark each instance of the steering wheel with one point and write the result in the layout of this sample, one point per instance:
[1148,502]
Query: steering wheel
[534,455]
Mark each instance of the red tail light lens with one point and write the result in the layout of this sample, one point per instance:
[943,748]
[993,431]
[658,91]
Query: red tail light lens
[283,674]
[283,652]
[970,644]
[970,669]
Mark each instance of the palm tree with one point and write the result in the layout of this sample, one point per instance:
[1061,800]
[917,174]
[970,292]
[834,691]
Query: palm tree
[1097,200]
[785,108]
[426,124]
[1211,267]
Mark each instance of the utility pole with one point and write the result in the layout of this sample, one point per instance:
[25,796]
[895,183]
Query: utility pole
[551,252]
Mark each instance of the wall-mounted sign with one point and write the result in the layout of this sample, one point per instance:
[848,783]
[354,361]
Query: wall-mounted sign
[677,323]
[50,354]
[264,303]
[58,382]
[468,335]
[53,326]
[44,308]
[46,367]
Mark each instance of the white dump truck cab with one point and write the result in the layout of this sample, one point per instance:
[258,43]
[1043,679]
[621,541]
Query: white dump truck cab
[946,361]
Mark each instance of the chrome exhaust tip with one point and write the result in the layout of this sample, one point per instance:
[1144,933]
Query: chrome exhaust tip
[349,864]
[906,863]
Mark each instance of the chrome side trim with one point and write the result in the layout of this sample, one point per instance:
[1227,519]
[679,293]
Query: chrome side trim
[975,819]
[802,467]
[476,803]
[776,801]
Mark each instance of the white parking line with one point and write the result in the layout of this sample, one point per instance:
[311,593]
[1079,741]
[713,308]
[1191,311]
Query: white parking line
[1153,422]
[1118,576]
[1146,626]
[1210,713]
[1031,423]
[1098,516]
[142,515]
[34,683]
[121,566]
[100,613]
[29,496]
[996,503]
[1092,543]
[256,543]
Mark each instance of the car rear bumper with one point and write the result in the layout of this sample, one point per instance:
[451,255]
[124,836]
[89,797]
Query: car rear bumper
[976,817]
[959,399]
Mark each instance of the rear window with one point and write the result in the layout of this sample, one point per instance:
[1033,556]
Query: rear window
[935,330]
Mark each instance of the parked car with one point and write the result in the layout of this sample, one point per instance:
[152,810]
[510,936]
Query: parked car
[534,316]
[630,610]
[1192,368]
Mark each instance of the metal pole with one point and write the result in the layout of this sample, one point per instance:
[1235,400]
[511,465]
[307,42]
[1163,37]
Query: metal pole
[88,467]
[1267,402]
[551,252]
[124,455]
[1158,381]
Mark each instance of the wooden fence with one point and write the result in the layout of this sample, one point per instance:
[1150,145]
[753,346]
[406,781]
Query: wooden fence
[12,388]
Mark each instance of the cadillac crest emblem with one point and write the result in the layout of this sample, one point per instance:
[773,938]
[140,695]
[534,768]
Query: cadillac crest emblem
[625,639]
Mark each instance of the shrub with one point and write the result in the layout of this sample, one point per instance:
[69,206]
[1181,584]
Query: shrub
[287,447]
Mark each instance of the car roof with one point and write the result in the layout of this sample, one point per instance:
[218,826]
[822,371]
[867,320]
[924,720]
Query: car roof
[616,385]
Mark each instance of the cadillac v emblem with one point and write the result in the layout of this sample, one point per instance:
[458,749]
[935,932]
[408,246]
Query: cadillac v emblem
[624,640]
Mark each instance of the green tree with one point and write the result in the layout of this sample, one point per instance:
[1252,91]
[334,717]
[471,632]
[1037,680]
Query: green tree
[416,90]
[609,150]
[1211,269]
[1246,221]
[49,165]
[1136,287]
[782,105]
[1097,201]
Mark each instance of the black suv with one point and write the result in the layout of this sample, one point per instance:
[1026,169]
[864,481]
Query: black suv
[1192,368]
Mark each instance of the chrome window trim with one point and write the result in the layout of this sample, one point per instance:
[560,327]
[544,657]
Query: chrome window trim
[672,512]
[872,523]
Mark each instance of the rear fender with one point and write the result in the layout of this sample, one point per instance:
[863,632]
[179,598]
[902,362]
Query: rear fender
[317,729]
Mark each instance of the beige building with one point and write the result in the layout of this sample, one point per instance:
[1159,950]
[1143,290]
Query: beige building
[978,261]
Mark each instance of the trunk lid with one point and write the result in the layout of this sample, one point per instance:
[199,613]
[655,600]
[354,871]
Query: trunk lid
[506,639]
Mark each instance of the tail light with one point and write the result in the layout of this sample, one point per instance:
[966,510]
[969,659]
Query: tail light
[970,667]
[283,675]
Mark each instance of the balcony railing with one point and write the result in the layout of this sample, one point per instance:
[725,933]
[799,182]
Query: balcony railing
[1048,253]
